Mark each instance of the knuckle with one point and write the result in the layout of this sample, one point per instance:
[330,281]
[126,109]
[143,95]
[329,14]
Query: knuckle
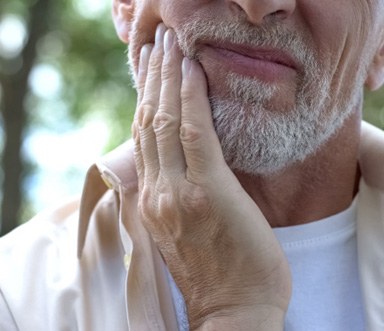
[145,203]
[146,112]
[158,210]
[189,133]
[166,209]
[195,199]
[163,121]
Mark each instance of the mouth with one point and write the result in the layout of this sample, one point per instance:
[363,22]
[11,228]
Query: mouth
[267,64]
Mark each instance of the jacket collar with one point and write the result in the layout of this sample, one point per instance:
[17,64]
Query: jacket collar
[371,158]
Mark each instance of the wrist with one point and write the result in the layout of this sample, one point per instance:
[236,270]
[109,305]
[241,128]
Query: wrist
[260,318]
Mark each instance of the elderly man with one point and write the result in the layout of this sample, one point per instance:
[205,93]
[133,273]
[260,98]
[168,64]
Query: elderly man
[251,196]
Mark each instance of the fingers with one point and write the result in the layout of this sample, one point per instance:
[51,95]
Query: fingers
[141,78]
[143,69]
[148,108]
[202,149]
[167,120]
[173,127]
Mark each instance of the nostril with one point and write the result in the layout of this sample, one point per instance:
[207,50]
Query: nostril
[257,12]
[281,14]
[235,8]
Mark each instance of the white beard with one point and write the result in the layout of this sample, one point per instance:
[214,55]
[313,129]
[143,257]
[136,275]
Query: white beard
[259,140]
[256,138]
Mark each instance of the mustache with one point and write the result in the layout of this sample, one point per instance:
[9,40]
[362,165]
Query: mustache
[197,31]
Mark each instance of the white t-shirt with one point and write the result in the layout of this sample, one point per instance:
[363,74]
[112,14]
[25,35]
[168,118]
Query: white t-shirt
[323,259]
[326,288]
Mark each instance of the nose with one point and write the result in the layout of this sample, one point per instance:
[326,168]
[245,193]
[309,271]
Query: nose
[259,11]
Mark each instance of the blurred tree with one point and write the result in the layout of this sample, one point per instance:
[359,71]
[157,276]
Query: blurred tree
[13,79]
[75,41]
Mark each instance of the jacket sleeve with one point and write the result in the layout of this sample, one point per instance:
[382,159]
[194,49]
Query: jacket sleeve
[7,321]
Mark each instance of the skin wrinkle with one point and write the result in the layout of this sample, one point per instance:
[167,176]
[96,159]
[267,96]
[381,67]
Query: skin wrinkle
[276,143]
[322,34]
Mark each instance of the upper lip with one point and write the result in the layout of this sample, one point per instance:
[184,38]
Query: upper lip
[260,53]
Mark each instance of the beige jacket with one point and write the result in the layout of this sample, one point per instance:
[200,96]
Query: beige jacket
[114,277]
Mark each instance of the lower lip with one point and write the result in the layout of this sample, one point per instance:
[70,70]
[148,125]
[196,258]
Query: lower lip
[267,71]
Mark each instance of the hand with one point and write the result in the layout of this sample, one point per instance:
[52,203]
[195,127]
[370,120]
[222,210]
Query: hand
[217,244]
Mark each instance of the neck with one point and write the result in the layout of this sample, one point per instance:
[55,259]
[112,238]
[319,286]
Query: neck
[321,186]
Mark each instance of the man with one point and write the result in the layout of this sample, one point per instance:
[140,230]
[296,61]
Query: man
[248,176]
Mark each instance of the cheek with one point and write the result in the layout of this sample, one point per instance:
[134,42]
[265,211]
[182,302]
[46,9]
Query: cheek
[173,12]
[149,13]
[177,12]
[143,30]
[340,37]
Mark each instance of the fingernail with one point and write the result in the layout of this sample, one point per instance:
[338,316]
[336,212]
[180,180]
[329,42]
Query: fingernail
[186,67]
[144,57]
[169,39]
[160,33]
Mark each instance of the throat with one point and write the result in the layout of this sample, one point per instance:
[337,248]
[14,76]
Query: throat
[299,196]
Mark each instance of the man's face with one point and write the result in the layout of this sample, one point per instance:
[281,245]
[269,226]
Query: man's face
[282,77]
